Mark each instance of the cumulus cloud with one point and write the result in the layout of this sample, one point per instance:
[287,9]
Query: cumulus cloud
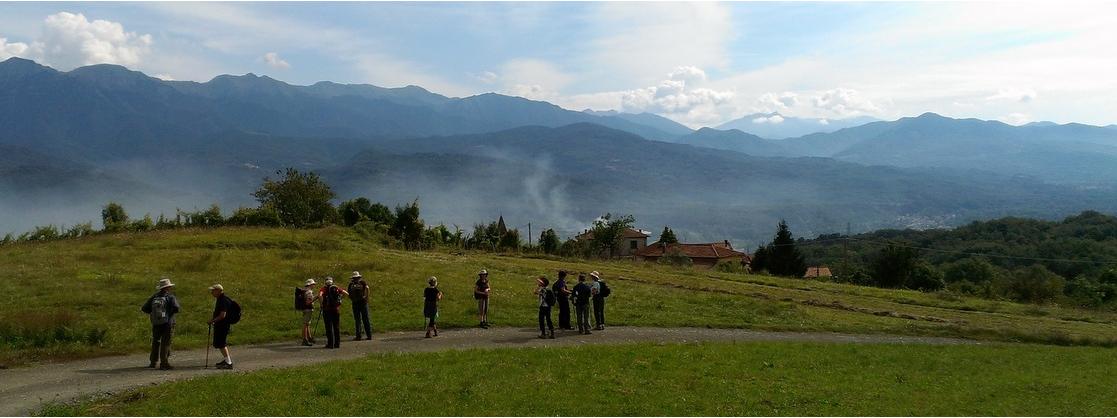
[70,40]
[774,120]
[676,97]
[487,77]
[1016,95]
[844,102]
[776,102]
[273,60]
[12,49]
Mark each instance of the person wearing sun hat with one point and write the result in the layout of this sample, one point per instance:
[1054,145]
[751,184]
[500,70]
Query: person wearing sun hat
[481,291]
[161,307]
[358,295]
[598,300]
[309,296]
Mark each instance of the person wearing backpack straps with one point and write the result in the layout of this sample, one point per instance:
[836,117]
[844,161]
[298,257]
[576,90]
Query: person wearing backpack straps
[562,293]
[599,290]
[331,312]
[546,301]
[161,308]
[582,293]
[358,296]
[307,296]
[431,296]
[481,291]
[222,321]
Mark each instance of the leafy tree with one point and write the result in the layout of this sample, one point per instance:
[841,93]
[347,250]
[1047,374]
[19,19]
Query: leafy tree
[609,231]
[974,270]
[353,211]
[408,226]
[668,236]
[380,214]
[549,241]
[265,216]
[510,240]
[300,199]
[783,258]
[893,266]
[1035,284]
[114,218]
[925,277]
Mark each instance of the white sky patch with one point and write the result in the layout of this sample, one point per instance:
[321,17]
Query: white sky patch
[843,102]
[70,40]
[533,79]
[487,77]
[273,60]
[1018,95]
[1016,119]
[772,120]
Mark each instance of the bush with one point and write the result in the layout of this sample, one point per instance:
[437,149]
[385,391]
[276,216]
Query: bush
[79,230]
[735,267]
[300,199]
[1035,284]
[264,216]
[44,233]
[114,218]
[141,225]
[675,258]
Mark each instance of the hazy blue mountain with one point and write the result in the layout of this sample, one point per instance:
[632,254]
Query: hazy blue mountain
[777,126]
[647,119]
[561,177]
[734,140]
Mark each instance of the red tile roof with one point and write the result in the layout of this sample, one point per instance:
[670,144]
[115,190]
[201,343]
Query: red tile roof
[716,250]
[818,272]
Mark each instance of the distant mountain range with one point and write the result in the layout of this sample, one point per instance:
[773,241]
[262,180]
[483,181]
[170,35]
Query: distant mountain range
[71,141]
[777,126]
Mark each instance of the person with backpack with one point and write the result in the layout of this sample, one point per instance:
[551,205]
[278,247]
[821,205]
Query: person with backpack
[562,293]
[431,296]
[358,296]
[581,304]
[481,291]
[331,312]
[600,291]
[304,302]
[161,307]
[546,301]
[226,312]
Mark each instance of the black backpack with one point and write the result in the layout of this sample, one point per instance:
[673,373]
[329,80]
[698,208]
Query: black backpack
[333,298]
[549,297]
[300,299]
[233,315]
[605,290]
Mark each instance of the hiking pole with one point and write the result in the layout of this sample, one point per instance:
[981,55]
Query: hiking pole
[316,320]
[209,334]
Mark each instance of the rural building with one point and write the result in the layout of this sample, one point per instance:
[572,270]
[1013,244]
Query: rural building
[632,240]
[707,255]
[815,272]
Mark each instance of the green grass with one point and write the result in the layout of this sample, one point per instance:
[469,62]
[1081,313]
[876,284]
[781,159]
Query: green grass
[87,293]
[719,379]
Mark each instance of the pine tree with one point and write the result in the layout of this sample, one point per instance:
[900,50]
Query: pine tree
[668,236]
[783,258]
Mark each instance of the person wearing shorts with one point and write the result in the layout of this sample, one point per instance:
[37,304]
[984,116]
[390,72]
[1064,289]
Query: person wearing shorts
[221,327]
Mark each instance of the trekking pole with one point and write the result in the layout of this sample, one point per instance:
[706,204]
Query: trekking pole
[209,334]
[316,320]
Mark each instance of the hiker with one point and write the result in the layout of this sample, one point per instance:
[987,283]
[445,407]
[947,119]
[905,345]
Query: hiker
[481,292]
[307,296]
[582,304]
[600,291]
[546,301]
[562,293]
[358,295]
[161,307]
[221,322]
[431,296]
[331,312]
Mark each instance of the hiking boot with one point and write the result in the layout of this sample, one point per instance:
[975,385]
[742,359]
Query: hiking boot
[428,335]
[368,338]
[552,336]
[357,338]
[151,366]
[542,336]
[307,344]
[166,367]
[224,365]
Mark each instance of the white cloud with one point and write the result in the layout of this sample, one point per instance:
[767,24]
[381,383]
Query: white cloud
[1016,119]
[844,102]
[487,77]
[773,102]
[1016,95]
[273,60]
[674,98]
[70,40]
[12,49]
[533,79]
[774,120]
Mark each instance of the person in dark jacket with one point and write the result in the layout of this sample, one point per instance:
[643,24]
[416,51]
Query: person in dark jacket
[481,291]
[331,312]
[221,307]
[562,294]
[598,301]
[582,304]
[359,295]
[431,296]
[161,307]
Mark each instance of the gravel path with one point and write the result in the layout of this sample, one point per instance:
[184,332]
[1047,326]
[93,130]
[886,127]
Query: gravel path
[22,391]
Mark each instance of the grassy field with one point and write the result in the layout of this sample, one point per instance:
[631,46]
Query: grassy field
[81,298]
[710,379]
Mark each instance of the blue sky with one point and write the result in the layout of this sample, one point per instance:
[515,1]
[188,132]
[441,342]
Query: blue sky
[698,63]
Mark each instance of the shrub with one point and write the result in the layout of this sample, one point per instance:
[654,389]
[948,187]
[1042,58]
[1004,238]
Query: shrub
[675,258]
[79,230]
[114,218]
[44,233]
[141,225]
[264,216]
[300,199]
[731,267]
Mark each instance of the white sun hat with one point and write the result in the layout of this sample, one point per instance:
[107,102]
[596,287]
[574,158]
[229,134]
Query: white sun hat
[163,284]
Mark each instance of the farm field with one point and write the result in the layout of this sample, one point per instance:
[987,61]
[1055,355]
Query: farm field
[709,379]
[81,297]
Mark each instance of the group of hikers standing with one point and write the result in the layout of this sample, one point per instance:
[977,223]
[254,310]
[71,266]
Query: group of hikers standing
[163,306]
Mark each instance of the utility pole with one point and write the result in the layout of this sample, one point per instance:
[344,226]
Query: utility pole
[529,234]
[845,243]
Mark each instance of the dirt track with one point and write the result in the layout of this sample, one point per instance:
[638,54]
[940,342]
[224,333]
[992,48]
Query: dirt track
[22,391]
